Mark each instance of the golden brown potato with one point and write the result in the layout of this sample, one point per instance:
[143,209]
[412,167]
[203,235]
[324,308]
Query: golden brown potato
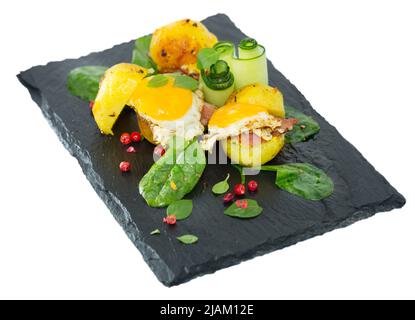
[145,129]
[252,154]
[259,94]
[116,88]
[175,46]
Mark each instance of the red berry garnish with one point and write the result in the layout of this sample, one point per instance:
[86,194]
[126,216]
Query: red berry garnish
[170,219]
[131,149]
[242,203]
[239,189]
[91,104]
[135,136]
[125,166]
[228,197]
[125,138]
[159,150]
[252,185]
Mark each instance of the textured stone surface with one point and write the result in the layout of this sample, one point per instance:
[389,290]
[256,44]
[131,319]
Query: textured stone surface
[360,191]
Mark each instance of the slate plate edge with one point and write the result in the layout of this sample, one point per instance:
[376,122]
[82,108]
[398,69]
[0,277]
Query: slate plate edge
[121,215]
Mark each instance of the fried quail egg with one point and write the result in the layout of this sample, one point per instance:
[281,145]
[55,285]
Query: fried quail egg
[165,111]
[234,119]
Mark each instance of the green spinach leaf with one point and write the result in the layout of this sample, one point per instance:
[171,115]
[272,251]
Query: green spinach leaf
[174,175]
[304,129]
[251,211]
[83,82]
[140,53]
[182,209]
[303,180]
[157,81]
[186,82]
[206,57]
[188,239]
[221,187]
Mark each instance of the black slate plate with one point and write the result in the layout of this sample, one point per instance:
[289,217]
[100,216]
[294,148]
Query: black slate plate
[360,191]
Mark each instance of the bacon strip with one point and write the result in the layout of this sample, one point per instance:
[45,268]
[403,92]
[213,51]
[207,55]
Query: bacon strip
[287,124]
[207,112]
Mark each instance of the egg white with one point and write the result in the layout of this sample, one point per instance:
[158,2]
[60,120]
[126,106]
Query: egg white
[255,122]
[188,126]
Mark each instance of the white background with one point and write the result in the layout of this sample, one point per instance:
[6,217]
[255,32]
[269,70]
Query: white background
[353,60]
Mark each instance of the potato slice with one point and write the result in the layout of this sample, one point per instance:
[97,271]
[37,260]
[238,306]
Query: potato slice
[145,129]
[263,95]
[116,88]
[252,155]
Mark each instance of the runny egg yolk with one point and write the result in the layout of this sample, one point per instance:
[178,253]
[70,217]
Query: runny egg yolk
[164,103]
[234,112]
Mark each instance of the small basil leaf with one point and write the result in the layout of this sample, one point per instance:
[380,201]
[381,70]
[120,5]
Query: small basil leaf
[140,53]
[304,129]
[186,82]
[188,239]
[206,57]
[182,209]
[304,180]
[155,232]
[221,187]
[83,82]
[251,211]
[158,81]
